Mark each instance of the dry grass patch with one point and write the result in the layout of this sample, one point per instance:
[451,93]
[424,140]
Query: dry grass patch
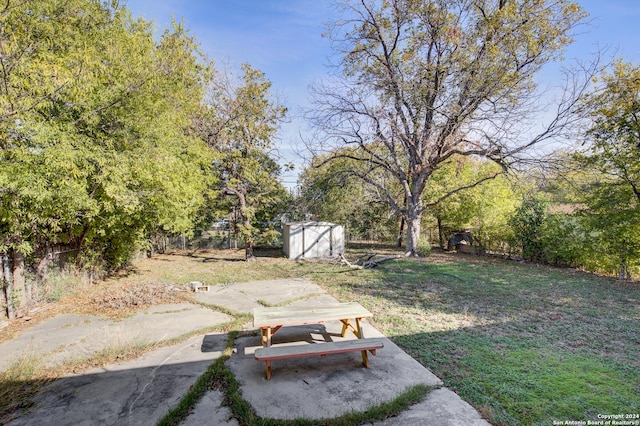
[122,298]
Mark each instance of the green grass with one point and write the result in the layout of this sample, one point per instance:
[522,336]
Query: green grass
[516,381]
[524,344]
[18,384]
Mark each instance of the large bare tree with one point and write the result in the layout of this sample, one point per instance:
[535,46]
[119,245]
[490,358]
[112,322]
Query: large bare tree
[422,81]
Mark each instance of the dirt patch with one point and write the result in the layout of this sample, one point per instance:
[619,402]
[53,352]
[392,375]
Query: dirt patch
[123,299]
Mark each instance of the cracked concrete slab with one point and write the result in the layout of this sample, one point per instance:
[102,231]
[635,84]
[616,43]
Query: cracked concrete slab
[441,407]
[51,337]
[244,297]
[211,411]
[142,391]
[324,387]
[71,337]
[131,393]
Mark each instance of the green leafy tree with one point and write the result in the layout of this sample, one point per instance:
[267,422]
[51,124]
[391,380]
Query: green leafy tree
[33,60]
[498,201]
[330,192]
[527,222]
[427,81]
[565,240]
[454,211]
[240,126]
[93,130]
[613,150]
[483,208]
[152,175]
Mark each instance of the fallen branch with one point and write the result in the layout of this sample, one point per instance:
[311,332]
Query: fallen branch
[349,264]
[370,262]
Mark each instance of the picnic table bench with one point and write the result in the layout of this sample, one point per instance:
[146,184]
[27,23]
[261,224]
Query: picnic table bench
[272,319]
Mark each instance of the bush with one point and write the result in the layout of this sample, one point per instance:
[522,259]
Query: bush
[527,223]
[563,240]
[424,247]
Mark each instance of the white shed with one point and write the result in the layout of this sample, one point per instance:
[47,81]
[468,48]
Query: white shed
[306,240]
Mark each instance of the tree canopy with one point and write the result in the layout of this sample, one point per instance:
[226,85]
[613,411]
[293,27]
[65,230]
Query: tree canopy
[330,191]
[612,151]
[94,119]
[422,82]
[240,124]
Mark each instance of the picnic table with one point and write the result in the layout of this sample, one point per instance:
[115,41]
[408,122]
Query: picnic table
[272,319]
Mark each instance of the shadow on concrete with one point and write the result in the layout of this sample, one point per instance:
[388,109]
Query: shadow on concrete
[139,392]
[214,343]
[323,387]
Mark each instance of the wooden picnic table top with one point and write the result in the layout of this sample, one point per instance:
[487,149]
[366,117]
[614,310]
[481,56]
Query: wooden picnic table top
[297,315]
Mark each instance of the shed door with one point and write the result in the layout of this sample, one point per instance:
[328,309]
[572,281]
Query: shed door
[317,241]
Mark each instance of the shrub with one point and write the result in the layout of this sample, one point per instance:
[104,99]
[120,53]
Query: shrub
[424,246]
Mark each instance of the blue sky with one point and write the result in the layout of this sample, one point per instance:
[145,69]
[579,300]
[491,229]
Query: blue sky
[283,38]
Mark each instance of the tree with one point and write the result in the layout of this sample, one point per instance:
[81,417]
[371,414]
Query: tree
[421,82]
[31,74]
[240,126]
[93,132]
[330,192]
[527,222]
[612,149]
[152,174]
[484,208]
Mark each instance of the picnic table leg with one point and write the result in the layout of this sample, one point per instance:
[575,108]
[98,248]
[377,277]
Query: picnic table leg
[266,342]
[360,334]
[365,359]
[266,336]
[345,326]
[359,329]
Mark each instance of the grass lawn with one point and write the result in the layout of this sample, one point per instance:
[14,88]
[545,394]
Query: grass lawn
[525,345]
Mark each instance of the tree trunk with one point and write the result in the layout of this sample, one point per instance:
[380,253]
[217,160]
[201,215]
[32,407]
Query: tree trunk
[623,273]
[440,234]
[248,236]
[402,224]
[8,286]
[248,241]
[3,298]
[400,233]
[23,294]
[246,224]
[248,250]
[413,219]
[413,236]
[42,267]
